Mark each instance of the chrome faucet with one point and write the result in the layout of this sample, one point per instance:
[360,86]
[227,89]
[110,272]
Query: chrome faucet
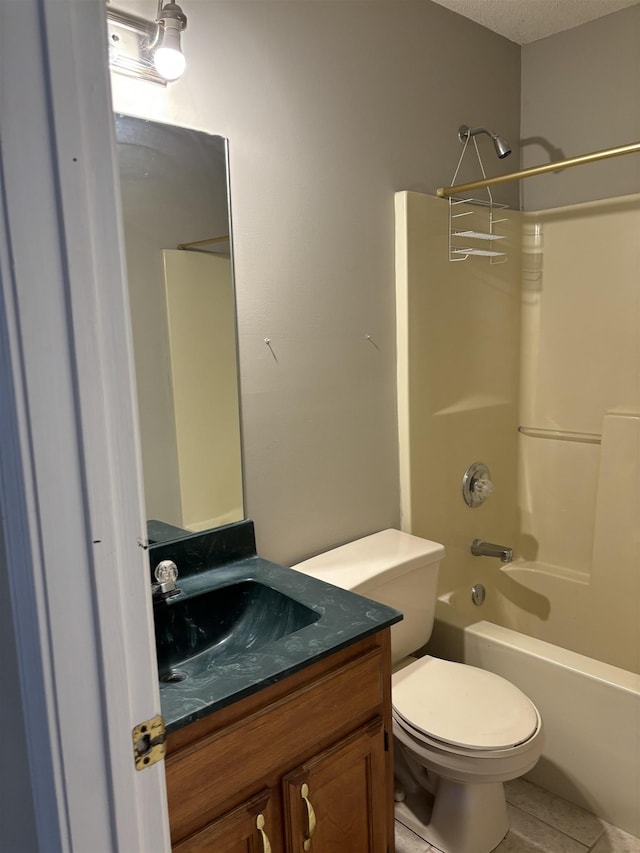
[480,548]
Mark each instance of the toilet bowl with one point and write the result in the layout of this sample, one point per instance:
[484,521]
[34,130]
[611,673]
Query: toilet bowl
[459,732]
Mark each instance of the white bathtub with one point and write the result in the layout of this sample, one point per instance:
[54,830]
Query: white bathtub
[591,710]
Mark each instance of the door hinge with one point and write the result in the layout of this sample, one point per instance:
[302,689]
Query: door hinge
[149,742]
[386,741]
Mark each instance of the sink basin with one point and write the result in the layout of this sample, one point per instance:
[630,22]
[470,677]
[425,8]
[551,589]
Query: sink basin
[224,623]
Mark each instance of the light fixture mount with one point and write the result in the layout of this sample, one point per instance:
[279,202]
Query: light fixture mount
[170,13]
[148,50]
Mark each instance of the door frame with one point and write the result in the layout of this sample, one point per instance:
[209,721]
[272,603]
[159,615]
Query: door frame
[71,502]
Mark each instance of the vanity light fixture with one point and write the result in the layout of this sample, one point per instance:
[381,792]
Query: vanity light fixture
[147,49]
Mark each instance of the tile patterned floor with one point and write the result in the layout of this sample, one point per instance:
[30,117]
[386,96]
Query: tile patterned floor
[540,822]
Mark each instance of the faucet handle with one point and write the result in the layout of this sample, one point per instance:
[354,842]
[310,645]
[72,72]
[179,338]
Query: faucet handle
[476,484]
[166,574]
[482,487]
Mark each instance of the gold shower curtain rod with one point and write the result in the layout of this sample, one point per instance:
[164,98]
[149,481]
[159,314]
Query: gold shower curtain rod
[594,156]
[223,239]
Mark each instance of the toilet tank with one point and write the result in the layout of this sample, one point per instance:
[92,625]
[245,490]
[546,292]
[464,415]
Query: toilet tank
[393,568]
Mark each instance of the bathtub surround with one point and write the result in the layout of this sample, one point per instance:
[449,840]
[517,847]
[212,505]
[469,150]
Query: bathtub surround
[579,501]
[565,485]
[552,346]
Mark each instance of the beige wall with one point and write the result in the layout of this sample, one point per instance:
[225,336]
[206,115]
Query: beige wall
[581,93]
[329,108]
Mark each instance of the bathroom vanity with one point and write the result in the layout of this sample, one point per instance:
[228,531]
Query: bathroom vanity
[302,765]
[287,745]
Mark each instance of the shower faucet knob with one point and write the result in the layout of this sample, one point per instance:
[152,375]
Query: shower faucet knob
[476,484]
[482,487]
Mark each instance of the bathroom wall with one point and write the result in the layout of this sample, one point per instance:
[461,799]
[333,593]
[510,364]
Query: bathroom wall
[581,93]
[330,108]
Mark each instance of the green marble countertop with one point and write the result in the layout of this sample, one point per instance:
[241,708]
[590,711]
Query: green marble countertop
[214,681]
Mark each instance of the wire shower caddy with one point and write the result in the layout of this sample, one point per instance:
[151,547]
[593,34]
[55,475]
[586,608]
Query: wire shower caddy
[482,238]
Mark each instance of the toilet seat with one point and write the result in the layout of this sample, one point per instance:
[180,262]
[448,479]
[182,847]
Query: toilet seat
[461,707]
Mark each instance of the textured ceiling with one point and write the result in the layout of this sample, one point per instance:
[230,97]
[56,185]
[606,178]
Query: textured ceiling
[524,21]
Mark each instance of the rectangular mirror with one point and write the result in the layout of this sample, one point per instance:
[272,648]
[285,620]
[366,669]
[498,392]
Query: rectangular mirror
[177,229]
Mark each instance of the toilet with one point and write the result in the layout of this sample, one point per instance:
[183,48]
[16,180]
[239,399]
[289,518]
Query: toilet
[459,732]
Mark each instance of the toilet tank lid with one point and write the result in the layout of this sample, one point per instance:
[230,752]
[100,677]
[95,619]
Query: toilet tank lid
[381,556]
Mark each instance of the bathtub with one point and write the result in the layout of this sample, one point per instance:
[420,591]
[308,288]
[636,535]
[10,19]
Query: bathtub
[590,709]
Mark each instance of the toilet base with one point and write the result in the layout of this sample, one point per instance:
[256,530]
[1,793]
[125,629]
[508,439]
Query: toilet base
[460,819]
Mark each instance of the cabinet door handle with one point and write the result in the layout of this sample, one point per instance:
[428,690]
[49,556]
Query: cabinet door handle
[304,792]
[266,845]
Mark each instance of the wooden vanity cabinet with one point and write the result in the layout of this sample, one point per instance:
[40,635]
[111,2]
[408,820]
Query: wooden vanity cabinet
[342,806]
[303,765]
[241,830]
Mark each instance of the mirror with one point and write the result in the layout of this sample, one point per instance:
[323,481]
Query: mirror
[177,231]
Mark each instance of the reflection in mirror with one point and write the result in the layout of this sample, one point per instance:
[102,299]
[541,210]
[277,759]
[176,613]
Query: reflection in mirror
[174,189]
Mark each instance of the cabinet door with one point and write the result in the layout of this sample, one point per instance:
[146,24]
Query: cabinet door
[335,802]
[249,828]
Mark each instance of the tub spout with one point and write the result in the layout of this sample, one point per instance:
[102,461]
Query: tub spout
[480,548]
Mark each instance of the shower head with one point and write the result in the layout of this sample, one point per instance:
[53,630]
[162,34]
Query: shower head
[503,149]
